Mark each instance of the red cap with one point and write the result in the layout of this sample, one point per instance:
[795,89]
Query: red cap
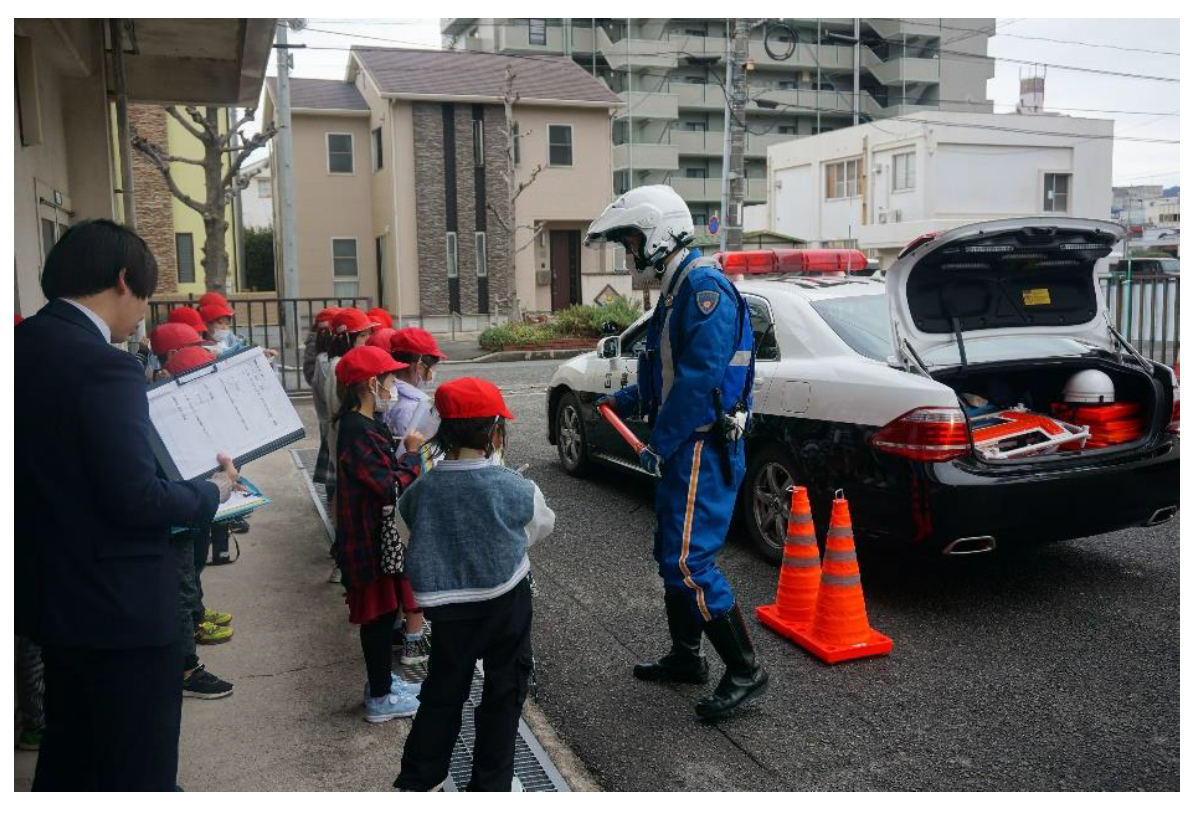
[415,340]
[470,398]
[353,321]
[381,339]
[187,358]
[325,318]
[214,311]
[213,298]
[19,318]
[364,362]
[171,336]
[185,315]
[382,316]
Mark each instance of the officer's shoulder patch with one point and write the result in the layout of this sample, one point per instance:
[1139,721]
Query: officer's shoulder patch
[706,301]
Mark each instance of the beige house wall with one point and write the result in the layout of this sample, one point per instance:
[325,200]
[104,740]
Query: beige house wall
[404,142]
[382,208]
[331,205]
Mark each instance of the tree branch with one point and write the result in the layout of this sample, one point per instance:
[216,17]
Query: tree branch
[503,221]
[523,185]
[158,157]
[254,142]
[177,116]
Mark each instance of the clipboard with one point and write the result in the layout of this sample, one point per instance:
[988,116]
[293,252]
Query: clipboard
[234,405]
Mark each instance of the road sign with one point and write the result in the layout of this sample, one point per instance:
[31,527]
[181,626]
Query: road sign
[713,225]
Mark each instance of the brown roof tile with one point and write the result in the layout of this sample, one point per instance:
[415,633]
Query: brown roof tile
[322,94]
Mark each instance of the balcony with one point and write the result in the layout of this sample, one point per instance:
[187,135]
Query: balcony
[637,53]
[648,105]
[711,145]
[791,102]
[697,97]
[645,157]
[514,39]
[900,69]
[708,189]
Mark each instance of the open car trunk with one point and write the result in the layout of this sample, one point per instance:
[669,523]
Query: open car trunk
[990,392]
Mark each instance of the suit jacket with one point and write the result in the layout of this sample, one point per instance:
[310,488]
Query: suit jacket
[93,565]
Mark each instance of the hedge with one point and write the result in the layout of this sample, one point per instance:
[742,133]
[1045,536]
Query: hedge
[576,322]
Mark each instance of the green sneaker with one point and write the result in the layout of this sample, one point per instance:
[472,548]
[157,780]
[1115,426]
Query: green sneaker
[30,740]
[218,617]
[208,633]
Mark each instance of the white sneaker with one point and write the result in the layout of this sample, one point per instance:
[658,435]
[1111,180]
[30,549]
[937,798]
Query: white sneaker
[398,687]
[399,705]
[516,784]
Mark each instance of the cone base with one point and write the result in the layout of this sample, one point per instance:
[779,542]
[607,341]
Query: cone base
[800,633]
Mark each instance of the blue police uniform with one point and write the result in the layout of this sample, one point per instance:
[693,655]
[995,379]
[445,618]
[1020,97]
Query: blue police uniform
[698,340]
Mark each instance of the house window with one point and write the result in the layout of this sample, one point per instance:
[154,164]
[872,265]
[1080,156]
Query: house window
[516,143]
[904,172]
[788,84]
[451,254]
[536,32]
[841,179]
[561,145]
[1056,192]
[264,190]
[696,172]
[788,130]
[341,153]
[185,258]
[695,127]
[49,237]
[479,149]
[376,149]
[345,257]
[480,253]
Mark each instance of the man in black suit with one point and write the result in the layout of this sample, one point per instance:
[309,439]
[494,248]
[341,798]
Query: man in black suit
[95,580]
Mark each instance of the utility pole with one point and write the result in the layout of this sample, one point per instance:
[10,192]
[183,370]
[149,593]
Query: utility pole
[738,94]
[727,136]
[286,183]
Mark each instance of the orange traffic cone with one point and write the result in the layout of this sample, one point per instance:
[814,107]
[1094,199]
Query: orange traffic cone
[798,581]
[840,630]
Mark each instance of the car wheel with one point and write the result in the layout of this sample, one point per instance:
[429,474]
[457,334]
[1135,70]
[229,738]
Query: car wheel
[571,436]
[765,499]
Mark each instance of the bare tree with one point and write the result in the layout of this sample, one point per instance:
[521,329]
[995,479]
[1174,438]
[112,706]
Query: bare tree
[507,220]
[224,153]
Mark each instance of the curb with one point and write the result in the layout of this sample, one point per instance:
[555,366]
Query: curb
[520,356]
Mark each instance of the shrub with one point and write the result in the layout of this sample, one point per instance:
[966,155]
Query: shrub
[575,322]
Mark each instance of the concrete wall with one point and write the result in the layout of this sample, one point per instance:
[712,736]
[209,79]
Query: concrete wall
[382,192]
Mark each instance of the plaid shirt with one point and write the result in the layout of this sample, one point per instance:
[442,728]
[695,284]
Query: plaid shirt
[369,477]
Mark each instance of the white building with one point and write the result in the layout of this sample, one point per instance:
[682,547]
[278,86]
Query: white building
[878,186]
[256,209]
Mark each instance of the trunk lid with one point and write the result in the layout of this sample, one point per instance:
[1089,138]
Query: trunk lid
[1023,277]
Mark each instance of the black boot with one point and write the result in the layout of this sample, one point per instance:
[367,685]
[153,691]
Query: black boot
[744,677]
[684,664]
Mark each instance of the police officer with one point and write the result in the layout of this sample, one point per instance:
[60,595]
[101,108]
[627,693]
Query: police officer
[694,386]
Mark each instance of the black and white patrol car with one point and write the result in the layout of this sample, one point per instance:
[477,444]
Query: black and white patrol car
[860,382]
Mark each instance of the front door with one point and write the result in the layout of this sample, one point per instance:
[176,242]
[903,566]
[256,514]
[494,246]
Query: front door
[565,266]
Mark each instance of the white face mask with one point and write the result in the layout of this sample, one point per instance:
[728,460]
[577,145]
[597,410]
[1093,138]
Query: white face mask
[424,383]
[381,404]
[222,334]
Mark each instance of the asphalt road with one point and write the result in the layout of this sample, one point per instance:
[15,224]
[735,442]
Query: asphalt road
[1051,668]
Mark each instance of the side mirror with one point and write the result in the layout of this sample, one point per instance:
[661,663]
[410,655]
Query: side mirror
[609,347]
[609,328]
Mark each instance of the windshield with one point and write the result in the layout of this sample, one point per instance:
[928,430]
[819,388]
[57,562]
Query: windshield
[862,322]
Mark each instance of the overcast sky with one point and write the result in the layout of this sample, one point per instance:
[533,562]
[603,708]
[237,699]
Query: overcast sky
[1148,108]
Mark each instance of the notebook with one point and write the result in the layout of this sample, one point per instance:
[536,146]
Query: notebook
[236,405]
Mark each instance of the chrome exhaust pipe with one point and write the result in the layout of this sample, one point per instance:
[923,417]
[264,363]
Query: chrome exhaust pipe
[1161,516]
[971,545]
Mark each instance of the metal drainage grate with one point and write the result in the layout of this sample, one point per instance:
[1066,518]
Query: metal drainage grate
[533,766]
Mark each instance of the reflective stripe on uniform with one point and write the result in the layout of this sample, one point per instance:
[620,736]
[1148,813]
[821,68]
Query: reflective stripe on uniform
[669,289]
[741,358]
[839,579]
[800,562]
[686,530]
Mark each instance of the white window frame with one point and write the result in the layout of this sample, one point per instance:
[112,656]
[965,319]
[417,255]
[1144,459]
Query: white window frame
[480,254]
[357,275]
[178,260]
[549,144]
[478,142]
[451,255]
[544,21]
[265,184]
[328,155]
[376,149]
[841,191]
[1044,176]
[909,177]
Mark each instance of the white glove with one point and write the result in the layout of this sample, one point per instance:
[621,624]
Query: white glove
[224,485]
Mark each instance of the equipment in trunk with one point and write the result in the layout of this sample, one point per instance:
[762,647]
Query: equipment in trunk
[1109,424]
[1016,432]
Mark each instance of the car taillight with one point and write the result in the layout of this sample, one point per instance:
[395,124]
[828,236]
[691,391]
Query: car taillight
[1175,419]
[925,434]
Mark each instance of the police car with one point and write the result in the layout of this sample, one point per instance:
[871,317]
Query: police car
[871,385]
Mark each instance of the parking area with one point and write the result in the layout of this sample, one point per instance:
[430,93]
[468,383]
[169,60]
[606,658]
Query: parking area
[1046,668]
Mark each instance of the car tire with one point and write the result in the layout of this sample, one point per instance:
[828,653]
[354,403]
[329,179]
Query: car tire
[765,499]
[571,436]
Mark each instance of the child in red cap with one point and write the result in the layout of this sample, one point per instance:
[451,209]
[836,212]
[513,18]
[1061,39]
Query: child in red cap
[348,328]
[369,477]
[471,524]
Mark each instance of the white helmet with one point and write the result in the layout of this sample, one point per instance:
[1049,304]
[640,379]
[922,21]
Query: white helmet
[657,213]
[1089,387]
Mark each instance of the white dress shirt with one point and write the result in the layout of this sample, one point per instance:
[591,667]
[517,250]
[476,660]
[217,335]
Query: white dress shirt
[100,324]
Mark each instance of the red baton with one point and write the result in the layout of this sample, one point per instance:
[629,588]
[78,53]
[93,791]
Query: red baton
[628,435]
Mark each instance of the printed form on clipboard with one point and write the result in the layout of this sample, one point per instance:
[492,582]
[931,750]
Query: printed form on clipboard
[235,405]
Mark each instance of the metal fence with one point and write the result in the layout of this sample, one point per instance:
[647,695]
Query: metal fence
[1146,310]
[277,322]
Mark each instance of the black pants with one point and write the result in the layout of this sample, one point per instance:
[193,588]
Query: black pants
[500,633]
[112,720]
[376,650]
[190,606]
[201,545]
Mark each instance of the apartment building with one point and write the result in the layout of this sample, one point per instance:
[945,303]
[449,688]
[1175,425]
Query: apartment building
[257,200]
[66,153]
[878,186]
[669,74]
[400,188]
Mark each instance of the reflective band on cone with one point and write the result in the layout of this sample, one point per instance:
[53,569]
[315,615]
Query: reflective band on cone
[798,579]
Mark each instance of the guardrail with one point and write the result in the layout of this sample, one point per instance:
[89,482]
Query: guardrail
[278,322]
[1146,310]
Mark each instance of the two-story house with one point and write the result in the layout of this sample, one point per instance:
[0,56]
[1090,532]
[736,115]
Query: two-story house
[401,190]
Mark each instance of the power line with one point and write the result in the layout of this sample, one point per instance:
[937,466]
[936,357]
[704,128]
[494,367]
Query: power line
[1042,39]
